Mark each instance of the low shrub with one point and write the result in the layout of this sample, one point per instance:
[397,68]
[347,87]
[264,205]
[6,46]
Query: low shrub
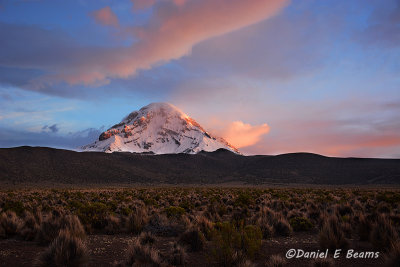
[93,215]
[14,206]
[228,242]
[173,211]
[252,237]
[300,224]
[243,199]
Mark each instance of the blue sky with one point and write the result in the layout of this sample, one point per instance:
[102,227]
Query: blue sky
[323,75]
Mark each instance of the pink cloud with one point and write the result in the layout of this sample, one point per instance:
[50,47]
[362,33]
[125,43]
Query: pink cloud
[179,2]
[326,138]
[242,134]
[105,16]
[175,27]
[237,133]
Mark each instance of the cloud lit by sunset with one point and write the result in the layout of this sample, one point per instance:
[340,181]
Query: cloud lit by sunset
[277,76]
[241,134]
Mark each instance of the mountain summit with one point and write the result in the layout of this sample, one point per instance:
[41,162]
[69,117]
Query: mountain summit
[160,128]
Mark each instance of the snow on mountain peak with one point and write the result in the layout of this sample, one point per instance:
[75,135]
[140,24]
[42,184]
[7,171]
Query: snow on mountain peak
[160,128]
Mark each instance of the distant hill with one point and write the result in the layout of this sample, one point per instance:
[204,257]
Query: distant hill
[37,165]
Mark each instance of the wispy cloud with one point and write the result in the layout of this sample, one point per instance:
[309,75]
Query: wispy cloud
[242,134]
[53,128]
[170,34]
[105,16]
[72,140]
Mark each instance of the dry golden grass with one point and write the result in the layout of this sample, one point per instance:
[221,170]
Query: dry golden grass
[229,223]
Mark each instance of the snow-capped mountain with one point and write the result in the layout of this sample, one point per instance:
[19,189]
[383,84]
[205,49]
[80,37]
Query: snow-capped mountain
[160,128]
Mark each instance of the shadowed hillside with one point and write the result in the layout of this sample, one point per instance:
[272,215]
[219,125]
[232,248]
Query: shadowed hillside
[48,165]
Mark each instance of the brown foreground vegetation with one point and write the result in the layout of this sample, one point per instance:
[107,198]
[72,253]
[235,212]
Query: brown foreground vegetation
[198,226]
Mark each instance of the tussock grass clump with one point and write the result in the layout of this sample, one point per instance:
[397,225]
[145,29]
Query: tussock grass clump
[10,223]
[147,238]
[73,225]
[177,255]
[392,259]
[264,221]
[364,228]
[383,208]
[276,261]
[331,235]
[383,233]
[49,229]
[194,239]
[142,255]
[193,217]
[344,209]
[113,225]
[30,227]
[65,250]
[51,226]
[137,220]
[281,225]
[205,226]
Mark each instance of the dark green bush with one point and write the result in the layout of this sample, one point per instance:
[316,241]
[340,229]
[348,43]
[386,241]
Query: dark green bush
[16,206]
[252,237]
[173,211]
[194,239]
[93,214]
[300,224]
[229,241]
[243,199]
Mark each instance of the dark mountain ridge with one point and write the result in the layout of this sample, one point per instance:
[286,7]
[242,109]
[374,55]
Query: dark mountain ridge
[36,165]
